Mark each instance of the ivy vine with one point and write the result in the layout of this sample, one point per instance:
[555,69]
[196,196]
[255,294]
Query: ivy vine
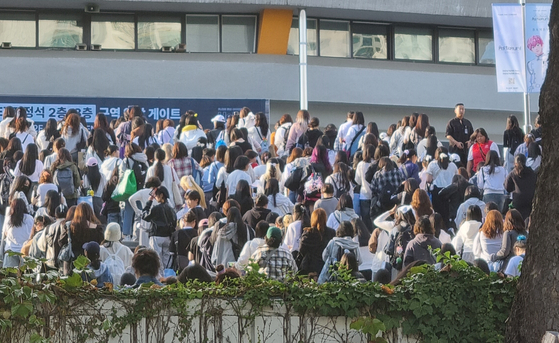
[458,303]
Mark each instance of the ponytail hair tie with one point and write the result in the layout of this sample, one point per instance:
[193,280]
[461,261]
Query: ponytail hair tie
[521,238]
[407,152]
[195,115]
[443,155]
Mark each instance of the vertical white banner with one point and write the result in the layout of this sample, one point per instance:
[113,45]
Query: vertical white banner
[537,44]
[509,48]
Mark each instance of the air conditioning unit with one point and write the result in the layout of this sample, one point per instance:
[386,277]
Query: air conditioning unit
[92,8]
[166,49]
[81,47]
[180,47]
[95,47]
[6,45]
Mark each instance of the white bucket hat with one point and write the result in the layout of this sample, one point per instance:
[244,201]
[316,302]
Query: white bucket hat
[112,233]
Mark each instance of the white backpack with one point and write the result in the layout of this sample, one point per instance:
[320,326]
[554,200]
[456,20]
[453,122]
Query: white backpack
[115,265]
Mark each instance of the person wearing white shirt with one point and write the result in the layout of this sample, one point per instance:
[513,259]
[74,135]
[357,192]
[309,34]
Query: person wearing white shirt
[17,229]
[26,125]
[463,242]
[342,131]
[30,165]
[110,162]
[356,129]
[251,246]
[489,239]
[165,174]
[491,179]
[113,249]
[441,171]
[280,139]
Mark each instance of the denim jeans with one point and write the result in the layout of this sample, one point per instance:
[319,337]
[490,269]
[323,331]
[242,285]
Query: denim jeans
[293,196]
[356,204]
[128,219]
[114,218]
[366,214]
[499,199]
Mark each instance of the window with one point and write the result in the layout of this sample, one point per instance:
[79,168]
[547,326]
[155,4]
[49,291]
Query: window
[202,33]
[18,29]
[238,33]
[113,31]
[369,41]
[159,32]
[413,43]
[293,44]
[334,38]
[486,48]
[457,46]
[60,31]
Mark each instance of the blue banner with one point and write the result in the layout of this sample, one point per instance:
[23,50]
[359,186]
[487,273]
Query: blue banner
[537,44]
[40,109]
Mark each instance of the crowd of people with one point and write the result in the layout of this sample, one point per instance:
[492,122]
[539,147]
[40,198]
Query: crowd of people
[296,198]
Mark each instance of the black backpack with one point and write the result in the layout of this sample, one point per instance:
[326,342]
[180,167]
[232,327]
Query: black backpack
[295,180]
[140,171]
[400,244]
[6,180]
[385,196]
[303,141]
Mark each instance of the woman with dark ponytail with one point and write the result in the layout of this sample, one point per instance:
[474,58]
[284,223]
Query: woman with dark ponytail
[521,183]
[95,181]
[408,161]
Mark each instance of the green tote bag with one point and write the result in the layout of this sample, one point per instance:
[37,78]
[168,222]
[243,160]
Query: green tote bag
[126,186]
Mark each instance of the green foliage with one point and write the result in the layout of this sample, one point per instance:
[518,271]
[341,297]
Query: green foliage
[457,304]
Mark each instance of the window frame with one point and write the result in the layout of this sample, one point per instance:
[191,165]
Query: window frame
[184,38]
[255,41]
[457,29]
[319,45]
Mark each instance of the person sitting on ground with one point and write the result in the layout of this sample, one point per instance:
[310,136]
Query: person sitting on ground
[99,270]
[250,247]
[515,263]
[349,261]
[259,212]
[274,261]
[418,248]
[146,265]
[327,202]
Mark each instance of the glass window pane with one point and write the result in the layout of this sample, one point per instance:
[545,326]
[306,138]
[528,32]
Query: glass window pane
[202,33]
[158,33]
[293,44]
[60,31]
[369,41]
[457,46]
[18,29]
[486,48]
[238,33]
[413,44]
[113,31]
[334,38]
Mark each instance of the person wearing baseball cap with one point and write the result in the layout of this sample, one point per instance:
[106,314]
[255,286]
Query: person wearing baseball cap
[163,220]
[274,260]
[95,182]
[97,270]
[219,126]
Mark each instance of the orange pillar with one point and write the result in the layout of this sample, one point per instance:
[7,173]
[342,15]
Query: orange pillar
[273,31]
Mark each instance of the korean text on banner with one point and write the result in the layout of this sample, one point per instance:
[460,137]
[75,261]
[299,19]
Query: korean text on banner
[509,48]
[537,44]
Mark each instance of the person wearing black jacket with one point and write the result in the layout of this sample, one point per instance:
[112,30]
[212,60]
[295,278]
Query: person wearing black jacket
[181,239]
[258,213]
[163,220]
[313,242]
[219,125]
[111,208]
[454,195]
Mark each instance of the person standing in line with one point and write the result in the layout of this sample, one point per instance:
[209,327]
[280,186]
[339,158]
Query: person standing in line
[458,132]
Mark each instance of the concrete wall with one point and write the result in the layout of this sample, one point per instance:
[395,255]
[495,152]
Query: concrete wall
[384,90]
